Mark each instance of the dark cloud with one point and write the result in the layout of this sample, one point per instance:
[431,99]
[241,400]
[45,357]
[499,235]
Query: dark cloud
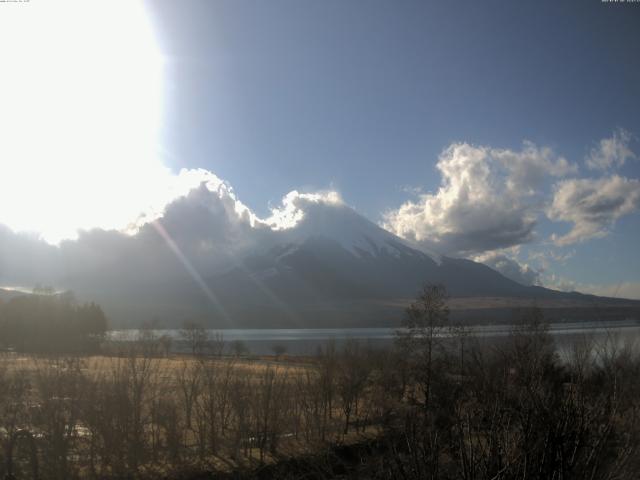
[26,259]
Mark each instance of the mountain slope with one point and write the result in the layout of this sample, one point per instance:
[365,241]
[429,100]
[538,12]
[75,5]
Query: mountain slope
[341,269]
[335,253]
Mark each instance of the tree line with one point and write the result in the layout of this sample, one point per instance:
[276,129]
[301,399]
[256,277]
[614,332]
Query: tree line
[46,321]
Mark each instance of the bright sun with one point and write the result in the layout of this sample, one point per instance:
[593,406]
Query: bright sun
[80,109]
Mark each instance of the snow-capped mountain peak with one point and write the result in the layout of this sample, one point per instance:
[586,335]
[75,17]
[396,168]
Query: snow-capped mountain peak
[352,231]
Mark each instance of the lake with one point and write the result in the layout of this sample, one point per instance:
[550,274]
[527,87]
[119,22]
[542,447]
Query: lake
[305,341]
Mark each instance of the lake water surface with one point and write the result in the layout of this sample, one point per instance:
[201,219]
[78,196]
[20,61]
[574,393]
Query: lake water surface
[301,341]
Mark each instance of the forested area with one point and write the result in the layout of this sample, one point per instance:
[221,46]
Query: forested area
[433,407]
[48,322]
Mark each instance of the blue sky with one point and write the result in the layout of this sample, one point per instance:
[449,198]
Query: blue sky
[362,97]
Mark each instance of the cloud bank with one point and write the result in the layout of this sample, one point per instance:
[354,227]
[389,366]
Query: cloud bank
[488,199]
[491,199]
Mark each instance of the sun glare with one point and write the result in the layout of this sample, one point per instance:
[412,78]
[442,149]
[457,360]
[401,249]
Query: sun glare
[80,110]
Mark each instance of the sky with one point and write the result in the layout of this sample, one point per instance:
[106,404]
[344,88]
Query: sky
[499,131]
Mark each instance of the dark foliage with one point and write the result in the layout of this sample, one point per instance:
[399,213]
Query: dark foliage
[50,322]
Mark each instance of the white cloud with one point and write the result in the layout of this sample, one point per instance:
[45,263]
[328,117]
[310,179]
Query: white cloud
[528,168]
[295,204]
[592,205]
[547,258]
[611,152]
[487,199]
[558,282]
[510,267]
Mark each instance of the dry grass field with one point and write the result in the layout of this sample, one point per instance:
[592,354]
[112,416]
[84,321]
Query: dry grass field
[96,365]
[105,416]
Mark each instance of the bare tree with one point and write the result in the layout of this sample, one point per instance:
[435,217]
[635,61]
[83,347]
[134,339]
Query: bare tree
[189,385]
[15,419]
[217,344]
[352,378]
[195,336]
[422,324]
[60,388]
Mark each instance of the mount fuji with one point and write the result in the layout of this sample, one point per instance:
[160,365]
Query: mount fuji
[335,268]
